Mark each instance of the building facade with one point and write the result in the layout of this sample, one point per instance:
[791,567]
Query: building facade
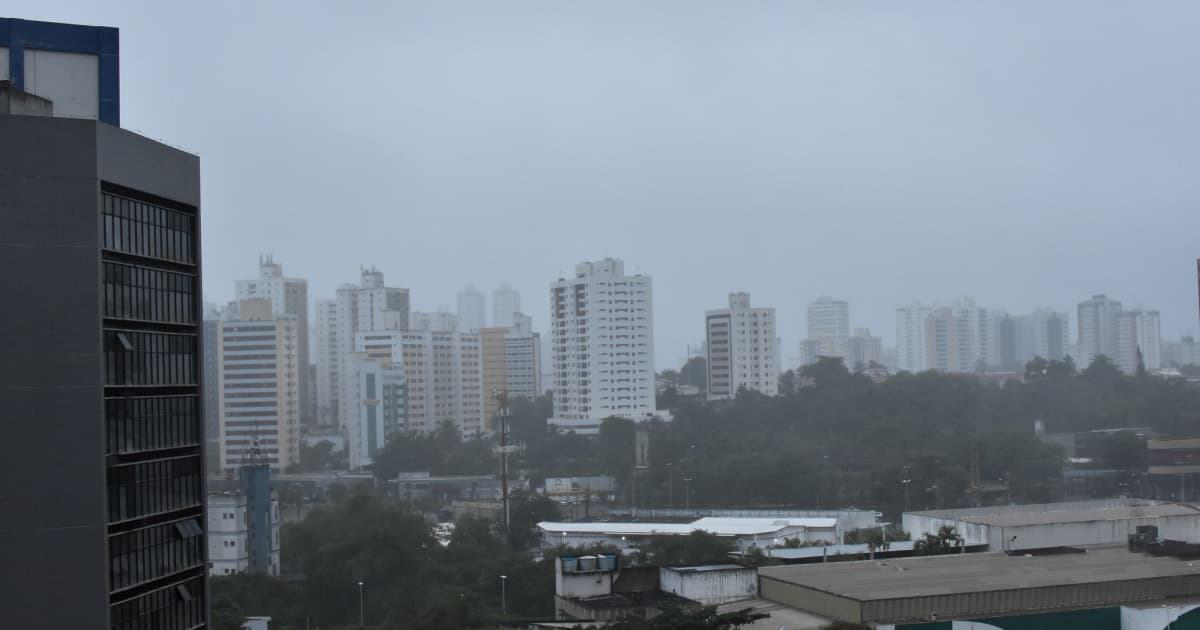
[864,349]
[104,376]
[523,359]
[376,406]
[910,337]
[289,298]
[506,305]
[1097,329]
[602,337]
[443,372]
[829,325]
[259,372]
[369,306]
[230,534]
[472,310]
[1139,341]
[743,349]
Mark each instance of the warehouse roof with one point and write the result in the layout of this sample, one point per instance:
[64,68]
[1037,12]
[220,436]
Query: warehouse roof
[716,525]
[964,573]
[1044,514]
[964,586]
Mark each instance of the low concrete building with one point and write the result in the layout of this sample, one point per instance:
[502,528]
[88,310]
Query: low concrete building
[744,532]
[710,585]
[1100,522]
[229,535]
[1095,588]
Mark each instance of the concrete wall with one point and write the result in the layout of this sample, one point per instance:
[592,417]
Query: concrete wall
[50,377]
[710,587]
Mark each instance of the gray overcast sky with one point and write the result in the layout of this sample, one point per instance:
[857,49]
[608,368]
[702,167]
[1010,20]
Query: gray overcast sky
[1023,153]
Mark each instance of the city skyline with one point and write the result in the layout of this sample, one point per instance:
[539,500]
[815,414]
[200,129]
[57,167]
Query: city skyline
[790,354]
[947,164]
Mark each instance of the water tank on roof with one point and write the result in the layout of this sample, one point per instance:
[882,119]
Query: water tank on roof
[587,563]
[570,564]
[608,562]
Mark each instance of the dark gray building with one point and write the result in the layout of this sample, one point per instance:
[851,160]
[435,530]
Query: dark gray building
[102,488]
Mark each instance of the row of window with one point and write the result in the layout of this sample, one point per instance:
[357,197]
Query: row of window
[132,292]
[173,607]
[153,552]
[150,423]
[146,488]
[144,358]
[146,229]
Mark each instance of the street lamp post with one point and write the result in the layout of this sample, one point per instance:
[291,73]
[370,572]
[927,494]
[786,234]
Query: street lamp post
[687,493]
[670,487]
[361,622]
[504,595]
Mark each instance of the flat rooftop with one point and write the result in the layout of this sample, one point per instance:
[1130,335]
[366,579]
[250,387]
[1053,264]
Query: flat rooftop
[1045,514]
[963,586]
[721,526]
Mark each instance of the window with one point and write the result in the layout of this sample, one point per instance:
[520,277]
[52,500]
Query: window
[144,294]
[150,423]
[146,488]
[144,358]
[149,553]
[149,230]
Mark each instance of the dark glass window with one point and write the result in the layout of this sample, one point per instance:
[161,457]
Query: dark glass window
[173,607]
[139,293]
[145,229]
[146,488]
[149,553]
[150,423]
[145,358]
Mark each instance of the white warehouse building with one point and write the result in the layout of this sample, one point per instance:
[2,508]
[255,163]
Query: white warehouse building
[745,532]
[1098,522]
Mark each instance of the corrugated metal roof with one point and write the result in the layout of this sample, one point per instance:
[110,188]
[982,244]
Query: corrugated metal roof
[1044,514]
[868,580]
[977,585]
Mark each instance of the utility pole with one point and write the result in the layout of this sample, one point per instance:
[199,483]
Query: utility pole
[906,480]
[501,397]
[687,493]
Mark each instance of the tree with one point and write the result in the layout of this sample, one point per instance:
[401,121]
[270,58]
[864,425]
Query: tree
[788,383]
[698,547]
[226,614]
[695,373]
[947,540]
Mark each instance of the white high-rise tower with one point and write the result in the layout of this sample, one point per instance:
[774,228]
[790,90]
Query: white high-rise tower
[602,340]
[743,350]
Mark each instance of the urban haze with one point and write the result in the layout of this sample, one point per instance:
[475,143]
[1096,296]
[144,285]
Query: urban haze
[1024,155]
[624,315]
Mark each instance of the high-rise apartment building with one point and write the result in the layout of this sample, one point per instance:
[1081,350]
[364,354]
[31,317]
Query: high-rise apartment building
[864,349]
[472,310]
[1043,333]
[259,372]
[439,321]
[523,359]
[370,306]
[743,349]
[1097,329]
[602,337]
[506,305]
[443,373]
[959,338]
[829,325]
[100,381]
[910,337]
[1139,338]
[289,298]
[376,406]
